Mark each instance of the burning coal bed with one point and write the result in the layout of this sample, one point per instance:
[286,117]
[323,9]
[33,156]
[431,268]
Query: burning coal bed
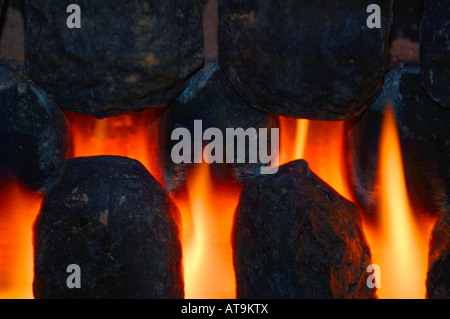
[290,164]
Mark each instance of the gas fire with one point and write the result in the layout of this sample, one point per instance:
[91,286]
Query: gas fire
[207,222]
[399,245]
[133,136]
[18,210]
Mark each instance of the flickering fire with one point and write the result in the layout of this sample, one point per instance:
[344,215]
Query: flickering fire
[132,135]
[18,211]
[207,212]
[293,134]
[400,244]
[320,143]
[207,222]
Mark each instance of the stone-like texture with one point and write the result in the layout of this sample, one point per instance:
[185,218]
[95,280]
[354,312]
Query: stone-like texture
[210,98]
[33,138]
[127,56]
[425,142]
[304,59]
[295,237]
[435,50]
[438,279]
[112,218]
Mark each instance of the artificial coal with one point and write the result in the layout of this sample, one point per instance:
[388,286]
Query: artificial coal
[209,98]
[110,217]
[127,55]
[435,50]
[438,280]
[305,59]
[425,143]
[295,237]
[33,137]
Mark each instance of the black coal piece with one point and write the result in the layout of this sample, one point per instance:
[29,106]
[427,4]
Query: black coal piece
[127,55]
[33,137]
[435,50]
[112,219]
[425,143]
[304,59]
[407,18]
[209,98]
[438,279]
[295,237]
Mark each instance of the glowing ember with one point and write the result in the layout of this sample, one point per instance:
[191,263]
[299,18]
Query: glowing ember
[398,245]
[18,211]
[207,223]
[133,136]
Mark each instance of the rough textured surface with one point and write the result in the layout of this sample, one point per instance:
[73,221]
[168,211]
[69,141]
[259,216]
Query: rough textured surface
[438,279]
[111,217]
[407,18]
[304,59]
[209,97]
[33,140]
[425,142]
[128,55]
[295,237]
[435,50]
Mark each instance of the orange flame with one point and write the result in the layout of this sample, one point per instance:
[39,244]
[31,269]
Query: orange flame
[320,143]
[293,135]
[18,211]
[324,154]
[207,223]
[401,247]
[131,135]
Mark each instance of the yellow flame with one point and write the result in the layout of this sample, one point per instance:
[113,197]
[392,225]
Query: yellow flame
[206,241]
[402,248]
[292,139]
[300,138]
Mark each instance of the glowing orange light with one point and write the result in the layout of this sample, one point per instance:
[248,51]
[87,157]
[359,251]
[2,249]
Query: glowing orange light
[207,223]
[134,136]
[18,211]
[400,247]
[324,154]
[320,143]
[293,135]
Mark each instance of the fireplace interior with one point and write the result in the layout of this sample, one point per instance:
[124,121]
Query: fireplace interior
[117,178]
